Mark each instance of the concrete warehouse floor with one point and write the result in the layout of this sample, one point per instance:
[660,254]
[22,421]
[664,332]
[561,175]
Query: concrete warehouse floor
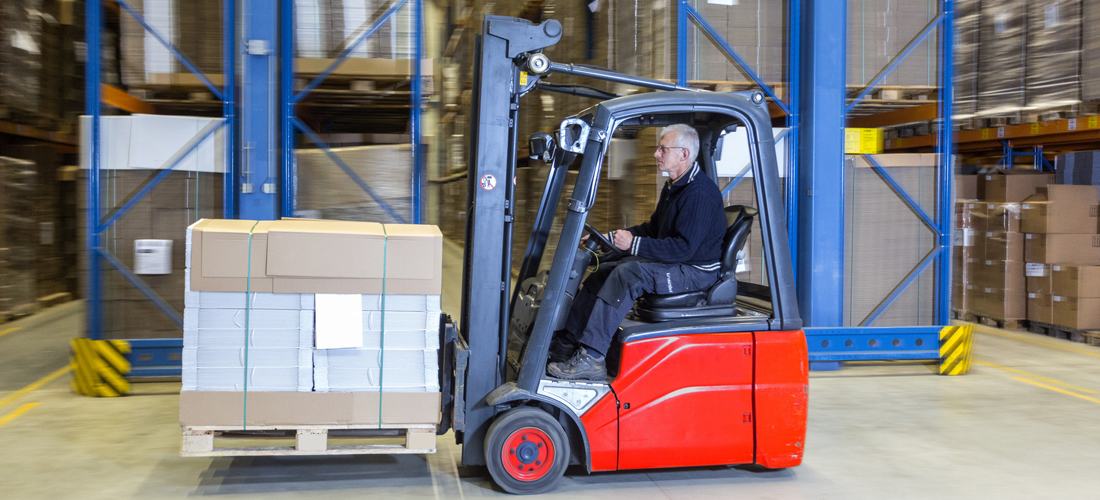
[1022,424]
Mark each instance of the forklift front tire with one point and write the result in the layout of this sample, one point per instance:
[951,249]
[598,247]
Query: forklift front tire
[526,451]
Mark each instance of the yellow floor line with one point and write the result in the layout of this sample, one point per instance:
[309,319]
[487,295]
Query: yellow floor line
[1032,375]
[9,330]
[1082,351]
[15,414]
[35,385]
[1057,389]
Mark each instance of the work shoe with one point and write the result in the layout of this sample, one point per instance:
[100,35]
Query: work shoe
[582,366]
[560,349]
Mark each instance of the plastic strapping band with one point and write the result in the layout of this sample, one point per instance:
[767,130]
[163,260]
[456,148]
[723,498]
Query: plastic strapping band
[382,343]
[247,334]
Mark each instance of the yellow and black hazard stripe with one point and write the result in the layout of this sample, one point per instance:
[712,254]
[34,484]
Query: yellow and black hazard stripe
[955,349]
[100,367]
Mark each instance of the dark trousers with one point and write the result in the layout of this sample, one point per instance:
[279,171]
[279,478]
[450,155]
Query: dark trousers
[608,294]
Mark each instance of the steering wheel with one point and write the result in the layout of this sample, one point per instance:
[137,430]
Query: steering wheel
[597,239]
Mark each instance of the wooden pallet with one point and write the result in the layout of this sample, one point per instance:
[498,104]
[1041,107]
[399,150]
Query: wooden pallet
[54,300]
[1091,337]
[1007,324]
[961,315]
[199,441]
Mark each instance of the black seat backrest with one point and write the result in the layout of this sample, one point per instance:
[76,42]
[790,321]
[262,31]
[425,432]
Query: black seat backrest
[740,218]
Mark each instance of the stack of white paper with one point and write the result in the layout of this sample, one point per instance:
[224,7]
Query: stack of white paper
[275,352]
[410,360]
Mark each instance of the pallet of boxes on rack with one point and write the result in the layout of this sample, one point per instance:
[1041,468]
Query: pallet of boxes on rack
[51,267]
[18,238]
[1062,249]
[334,327]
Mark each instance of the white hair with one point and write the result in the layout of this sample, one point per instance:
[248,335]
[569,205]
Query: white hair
[686,137]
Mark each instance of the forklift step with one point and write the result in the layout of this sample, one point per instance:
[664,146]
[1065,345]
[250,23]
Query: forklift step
[1006,324]
[308,440]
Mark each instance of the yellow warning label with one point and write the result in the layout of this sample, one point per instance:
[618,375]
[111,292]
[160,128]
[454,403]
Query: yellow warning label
[985,133]
[523,78]
[867,141]
[955,349]
[100,367]
[1093,122]
[1034,128]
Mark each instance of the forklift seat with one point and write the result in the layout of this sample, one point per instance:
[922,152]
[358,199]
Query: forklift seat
[719,299]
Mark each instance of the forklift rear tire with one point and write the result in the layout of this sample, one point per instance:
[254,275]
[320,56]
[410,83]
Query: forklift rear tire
[526,451]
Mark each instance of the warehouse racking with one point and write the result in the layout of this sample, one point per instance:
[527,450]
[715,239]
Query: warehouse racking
[817,101]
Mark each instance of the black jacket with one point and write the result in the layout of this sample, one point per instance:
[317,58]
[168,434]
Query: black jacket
[688,225]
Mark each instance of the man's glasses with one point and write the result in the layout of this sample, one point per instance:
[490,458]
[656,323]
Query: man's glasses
[664,149]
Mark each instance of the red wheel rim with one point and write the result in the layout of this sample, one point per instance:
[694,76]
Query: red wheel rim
[528,454]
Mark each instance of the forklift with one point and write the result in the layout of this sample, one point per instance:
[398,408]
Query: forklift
[714,377]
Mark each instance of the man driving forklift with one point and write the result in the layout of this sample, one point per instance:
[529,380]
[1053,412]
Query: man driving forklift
[677,250]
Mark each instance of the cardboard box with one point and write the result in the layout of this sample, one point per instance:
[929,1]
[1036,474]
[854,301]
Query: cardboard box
[1080,249]
[226,408]
[315,256]
[966,187]
[1004,246]
[1006,186]
[1079,313]
[1040,307]
[1075,281]
[1060,209]
[961,297]
[1000,303]
[1001,217]
[963,219]
[1007,274]
[1038,278]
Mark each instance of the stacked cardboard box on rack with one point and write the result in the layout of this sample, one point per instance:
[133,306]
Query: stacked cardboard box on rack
[327,314]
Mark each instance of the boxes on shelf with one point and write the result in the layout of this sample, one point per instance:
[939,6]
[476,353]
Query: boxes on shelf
[1000,303]
[1053,53]
[1038,277]
[19,237]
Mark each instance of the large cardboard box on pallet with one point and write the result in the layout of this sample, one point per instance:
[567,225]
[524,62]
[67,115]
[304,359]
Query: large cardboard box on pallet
[1081,249]
[1060,209]
[1075,281]
[316,256]
[1038,277]
[1077,313]
[1006,274]
[1003,246]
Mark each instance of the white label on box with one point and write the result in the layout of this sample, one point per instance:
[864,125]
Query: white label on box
[989,263]
[1000,22]
[988,290]
[339,320]
[152,256]
[989,234]
[1027,206]
[45,233]
[1050,15]
[1031,295]
[1028,236]
[1057,298]
[1035,270]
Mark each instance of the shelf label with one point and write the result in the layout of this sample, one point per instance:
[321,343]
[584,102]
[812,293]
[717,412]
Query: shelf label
[1000,132]
[1093,121]
[985,133]
[1034,128]
[1072,124]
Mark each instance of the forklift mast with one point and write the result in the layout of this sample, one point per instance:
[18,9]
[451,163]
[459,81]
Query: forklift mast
[508,64]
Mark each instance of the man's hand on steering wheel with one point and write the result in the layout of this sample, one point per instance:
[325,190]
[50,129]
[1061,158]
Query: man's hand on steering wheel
[622,239]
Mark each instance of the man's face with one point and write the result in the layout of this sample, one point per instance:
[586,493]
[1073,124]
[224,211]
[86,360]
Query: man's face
[670,159]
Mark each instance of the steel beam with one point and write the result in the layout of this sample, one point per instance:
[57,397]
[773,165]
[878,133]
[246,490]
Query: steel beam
[820,175]
[946,175]
[258,181]
[94,23]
